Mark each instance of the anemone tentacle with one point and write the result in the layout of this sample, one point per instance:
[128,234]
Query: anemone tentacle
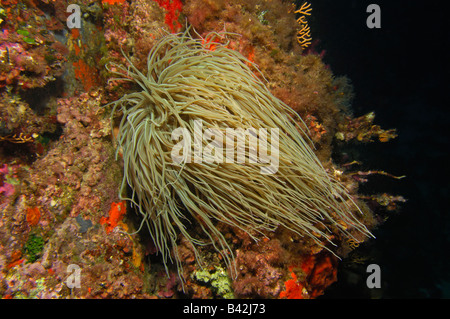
[186,82]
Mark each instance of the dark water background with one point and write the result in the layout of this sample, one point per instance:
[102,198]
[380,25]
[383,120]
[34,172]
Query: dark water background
[401,72]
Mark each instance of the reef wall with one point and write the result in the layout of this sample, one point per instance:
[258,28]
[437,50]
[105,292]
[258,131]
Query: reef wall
[59,176]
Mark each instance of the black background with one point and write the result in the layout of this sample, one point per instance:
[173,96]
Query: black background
[400,71]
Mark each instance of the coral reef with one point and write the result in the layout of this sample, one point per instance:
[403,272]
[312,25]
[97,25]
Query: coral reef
[7,180]
[31,54]
[218,279]
[260,269]
[55,216]
[363,130]
[59,176]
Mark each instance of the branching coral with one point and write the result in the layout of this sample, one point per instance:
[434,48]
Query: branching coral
[304,34]
[186,82]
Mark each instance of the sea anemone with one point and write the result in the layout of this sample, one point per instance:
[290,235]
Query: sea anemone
[187,82]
